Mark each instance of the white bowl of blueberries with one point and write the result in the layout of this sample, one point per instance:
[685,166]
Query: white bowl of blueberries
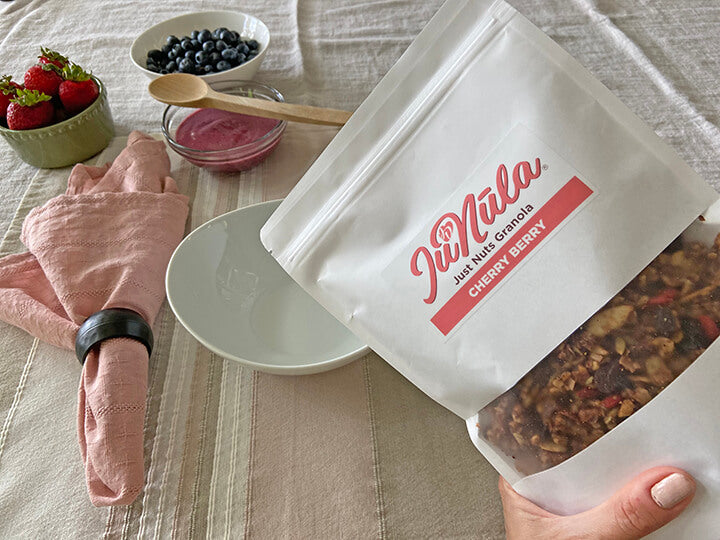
[216,45]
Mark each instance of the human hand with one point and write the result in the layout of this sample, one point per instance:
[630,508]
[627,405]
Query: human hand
[642,506]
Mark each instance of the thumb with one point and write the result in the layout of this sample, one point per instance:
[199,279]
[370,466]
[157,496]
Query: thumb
[646,503]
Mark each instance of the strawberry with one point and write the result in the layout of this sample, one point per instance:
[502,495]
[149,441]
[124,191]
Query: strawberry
[709,328]
[587,393]
[29,109]
[666,296]
[78,90]
[7,92]
[610,401]
[48,56]
[43,78]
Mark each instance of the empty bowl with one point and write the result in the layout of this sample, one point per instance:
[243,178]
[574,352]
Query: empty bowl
[235,299]
[247,26]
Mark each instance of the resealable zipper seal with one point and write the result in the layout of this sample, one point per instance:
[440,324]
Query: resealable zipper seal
[362,177]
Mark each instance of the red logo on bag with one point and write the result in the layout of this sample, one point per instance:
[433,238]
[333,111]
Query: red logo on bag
[483,208]
[445,231]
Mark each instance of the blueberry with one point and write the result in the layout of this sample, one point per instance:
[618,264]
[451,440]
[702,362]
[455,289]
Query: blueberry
[186,66]
[201,57]
[178,49]
[253,44]
[196,45]
[152,66]
[194,34]
[209,46]
[228,37]
[218,31]
[172,55]
[215,57]
[186,44]
[190,55]
[171,67]
[222,65]
[243,49]
[220,45]
[172,40]
[207,68]
[242,58]
[155,54]
[204,36]
[165,48]
[231,55]
[164,72]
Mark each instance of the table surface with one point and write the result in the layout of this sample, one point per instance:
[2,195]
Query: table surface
[357,452]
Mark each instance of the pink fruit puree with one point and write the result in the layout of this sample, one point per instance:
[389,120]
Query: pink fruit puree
[213,129]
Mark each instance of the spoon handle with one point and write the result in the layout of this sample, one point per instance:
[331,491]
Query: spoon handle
[272,109]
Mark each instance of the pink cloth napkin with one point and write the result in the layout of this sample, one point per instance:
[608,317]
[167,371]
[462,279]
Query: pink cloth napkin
[104,244]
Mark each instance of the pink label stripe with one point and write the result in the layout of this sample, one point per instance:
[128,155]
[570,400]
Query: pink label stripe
[539,225]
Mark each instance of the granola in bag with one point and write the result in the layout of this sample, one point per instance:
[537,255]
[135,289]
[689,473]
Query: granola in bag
[612,365]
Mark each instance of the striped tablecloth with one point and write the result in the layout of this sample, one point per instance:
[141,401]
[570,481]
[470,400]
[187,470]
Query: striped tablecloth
[357,452]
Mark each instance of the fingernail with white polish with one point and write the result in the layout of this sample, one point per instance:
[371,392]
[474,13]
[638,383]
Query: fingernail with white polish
[671,490]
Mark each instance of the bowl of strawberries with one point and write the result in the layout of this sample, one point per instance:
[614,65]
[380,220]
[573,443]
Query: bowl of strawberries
[58,116]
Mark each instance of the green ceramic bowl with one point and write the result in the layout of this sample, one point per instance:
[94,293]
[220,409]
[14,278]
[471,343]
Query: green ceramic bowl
[68,142]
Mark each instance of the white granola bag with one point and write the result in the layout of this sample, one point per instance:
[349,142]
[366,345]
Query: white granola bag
[486,200]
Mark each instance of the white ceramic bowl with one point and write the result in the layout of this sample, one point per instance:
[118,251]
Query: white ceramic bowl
[235,299]
[247,26]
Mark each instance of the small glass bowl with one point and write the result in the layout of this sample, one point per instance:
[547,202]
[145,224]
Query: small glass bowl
[238,158]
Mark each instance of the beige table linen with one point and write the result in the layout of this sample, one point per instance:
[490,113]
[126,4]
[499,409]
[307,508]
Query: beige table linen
[353,453]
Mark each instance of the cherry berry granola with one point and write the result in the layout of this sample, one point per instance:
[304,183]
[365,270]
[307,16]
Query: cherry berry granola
[615,363]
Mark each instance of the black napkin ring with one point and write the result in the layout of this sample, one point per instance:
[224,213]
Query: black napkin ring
[112,323]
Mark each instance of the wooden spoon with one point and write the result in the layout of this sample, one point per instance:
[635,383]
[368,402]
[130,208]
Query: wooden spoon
[186,90]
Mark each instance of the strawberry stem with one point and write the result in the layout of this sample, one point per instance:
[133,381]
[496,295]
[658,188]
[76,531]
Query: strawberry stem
[5,87]
[51,67]
[53,56]
[73,72]
[29,98]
